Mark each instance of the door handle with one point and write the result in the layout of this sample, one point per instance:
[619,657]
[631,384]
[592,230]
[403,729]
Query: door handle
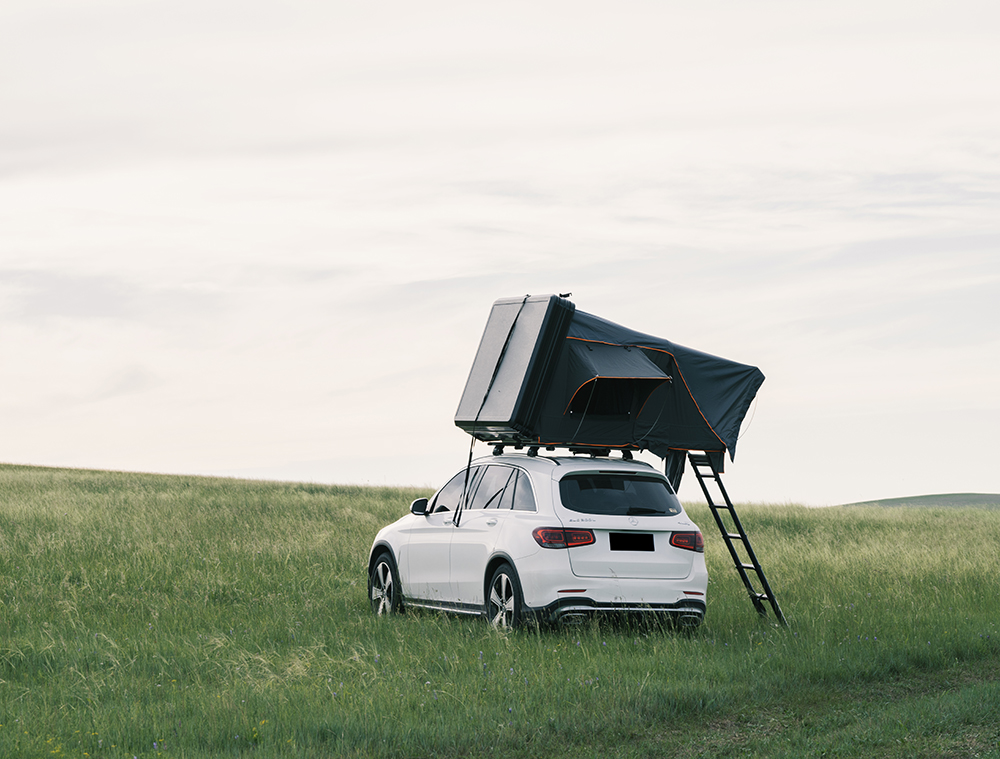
[491,521]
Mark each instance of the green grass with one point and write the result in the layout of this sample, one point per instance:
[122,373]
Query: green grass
[148,615]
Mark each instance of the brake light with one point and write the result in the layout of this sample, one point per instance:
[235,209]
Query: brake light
[557,537]
[689,541]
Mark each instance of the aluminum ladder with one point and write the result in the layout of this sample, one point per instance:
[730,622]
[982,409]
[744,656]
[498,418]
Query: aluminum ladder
[705,471]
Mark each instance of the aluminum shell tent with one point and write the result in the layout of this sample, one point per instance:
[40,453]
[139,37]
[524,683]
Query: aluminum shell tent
[546,374]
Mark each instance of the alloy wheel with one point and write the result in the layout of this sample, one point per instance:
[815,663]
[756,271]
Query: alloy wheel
[382,588]
[504,602]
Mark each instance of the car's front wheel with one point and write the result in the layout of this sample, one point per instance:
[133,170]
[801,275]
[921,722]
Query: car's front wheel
[383,586]
[504,600]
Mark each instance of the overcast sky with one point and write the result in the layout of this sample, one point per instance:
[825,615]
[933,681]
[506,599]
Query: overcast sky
[262,239]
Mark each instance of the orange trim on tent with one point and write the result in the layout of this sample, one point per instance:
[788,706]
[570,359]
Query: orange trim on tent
[686,387]
[668,379]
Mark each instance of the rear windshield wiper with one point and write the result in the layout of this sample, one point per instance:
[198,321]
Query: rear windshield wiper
[639,510]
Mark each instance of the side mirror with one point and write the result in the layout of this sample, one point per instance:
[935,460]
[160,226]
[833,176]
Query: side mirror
[419,507]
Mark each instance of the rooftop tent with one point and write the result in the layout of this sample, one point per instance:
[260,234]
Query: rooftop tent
[512,367]
[546,374]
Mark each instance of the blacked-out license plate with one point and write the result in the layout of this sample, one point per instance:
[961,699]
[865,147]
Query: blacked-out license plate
[631,541]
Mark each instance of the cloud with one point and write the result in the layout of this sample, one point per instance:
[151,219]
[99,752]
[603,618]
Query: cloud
[40,296]
[127,381]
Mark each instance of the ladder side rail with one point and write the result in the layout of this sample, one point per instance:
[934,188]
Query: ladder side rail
[738,562]
[724,529]
[741,566]
[739,528]
[768,593]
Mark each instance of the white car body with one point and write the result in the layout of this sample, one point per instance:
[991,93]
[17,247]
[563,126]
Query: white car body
[630,566]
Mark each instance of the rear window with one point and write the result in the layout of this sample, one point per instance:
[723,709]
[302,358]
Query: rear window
[619,494]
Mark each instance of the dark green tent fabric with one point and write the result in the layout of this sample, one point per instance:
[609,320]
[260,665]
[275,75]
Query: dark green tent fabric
[703,406]
[621,371]
[601,385]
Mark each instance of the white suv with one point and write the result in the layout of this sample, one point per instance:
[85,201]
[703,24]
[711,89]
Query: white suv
[544,537]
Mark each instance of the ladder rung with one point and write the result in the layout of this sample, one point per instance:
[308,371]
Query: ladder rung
[703,469]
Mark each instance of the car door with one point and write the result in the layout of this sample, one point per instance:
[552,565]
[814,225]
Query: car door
[472,542]
[425,565]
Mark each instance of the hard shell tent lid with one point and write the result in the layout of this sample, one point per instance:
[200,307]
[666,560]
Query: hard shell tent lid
[546,374]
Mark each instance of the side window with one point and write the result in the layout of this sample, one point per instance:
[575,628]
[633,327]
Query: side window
[506,501]
[524,499]
[449,496]
[491,487]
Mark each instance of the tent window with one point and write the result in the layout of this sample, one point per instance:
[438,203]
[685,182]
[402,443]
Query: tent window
[611,397]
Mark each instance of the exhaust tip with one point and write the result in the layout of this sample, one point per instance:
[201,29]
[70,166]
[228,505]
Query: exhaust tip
[689,621]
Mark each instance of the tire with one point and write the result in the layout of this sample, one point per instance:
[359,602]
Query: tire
[504,601]
[383,586]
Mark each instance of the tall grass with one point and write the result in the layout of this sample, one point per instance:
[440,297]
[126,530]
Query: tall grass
[146,615]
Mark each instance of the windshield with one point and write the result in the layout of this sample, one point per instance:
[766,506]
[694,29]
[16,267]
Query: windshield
[621,494]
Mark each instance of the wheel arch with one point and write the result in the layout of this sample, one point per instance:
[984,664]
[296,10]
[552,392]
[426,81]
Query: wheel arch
[491,566]
[377,550]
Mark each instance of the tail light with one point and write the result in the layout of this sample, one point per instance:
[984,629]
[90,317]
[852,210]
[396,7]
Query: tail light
[689,541]
[557,537]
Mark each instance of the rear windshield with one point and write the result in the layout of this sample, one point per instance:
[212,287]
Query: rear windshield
[618,494]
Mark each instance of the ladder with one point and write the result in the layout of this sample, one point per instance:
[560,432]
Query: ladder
[705,471]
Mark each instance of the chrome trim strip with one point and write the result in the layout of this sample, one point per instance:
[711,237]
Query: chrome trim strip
[442,607]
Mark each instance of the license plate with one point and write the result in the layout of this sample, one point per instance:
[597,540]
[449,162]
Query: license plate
[631,541]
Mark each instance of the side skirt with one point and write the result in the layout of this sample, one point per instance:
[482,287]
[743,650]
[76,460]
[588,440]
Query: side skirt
[446,606]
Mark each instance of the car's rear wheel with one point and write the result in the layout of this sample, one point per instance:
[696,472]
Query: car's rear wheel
[383,586]
[504,601]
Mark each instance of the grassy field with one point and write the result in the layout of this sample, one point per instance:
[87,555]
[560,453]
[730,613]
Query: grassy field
[147,615]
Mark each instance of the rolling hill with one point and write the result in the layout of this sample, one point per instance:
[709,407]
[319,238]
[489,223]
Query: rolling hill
[939,501]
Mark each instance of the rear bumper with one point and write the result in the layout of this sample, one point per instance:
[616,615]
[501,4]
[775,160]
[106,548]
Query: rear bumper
[685,613]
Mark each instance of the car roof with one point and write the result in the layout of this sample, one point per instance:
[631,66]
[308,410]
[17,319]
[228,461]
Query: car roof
[558,467]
